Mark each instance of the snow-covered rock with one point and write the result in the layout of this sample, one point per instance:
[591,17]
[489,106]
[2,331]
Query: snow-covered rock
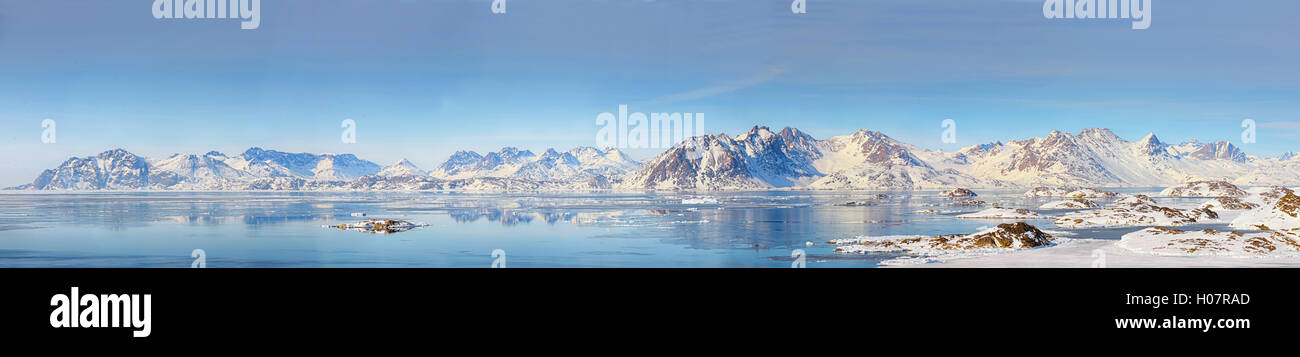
[1073,203]
[1003,213]
[1090,193]
[1204,189]
[1267,196]
[1017,235]
[1282,214]
[958,192]
[1208,242]
[1133,201]
[1228,204]
[379,226]
[1048,191]
[968,203]
[1135,215]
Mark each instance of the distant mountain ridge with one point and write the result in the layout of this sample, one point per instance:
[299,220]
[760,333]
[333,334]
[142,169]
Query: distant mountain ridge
[756,160]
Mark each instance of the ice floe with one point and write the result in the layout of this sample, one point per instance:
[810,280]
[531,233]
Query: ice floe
[700,201]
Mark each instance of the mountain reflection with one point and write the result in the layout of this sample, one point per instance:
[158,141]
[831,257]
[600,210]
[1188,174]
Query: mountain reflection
[510,217]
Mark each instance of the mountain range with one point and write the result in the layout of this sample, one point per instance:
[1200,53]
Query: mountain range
[756,160]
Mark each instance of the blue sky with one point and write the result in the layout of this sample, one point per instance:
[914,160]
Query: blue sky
[426,78]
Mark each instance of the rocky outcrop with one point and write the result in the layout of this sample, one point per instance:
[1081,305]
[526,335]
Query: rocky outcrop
[1073,203]
[1019,235]
[1204,189]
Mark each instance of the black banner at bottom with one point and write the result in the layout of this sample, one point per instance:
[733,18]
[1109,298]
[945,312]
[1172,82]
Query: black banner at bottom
[154,307]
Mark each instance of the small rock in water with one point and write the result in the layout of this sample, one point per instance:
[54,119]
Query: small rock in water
[958,192]
[384,226]
[856,203]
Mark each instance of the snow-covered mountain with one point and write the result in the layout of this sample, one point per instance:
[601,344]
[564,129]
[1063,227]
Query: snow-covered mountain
[865,160]
[255,169]
[580,163]
[111,170]
[402,168]
[1097,157]
[320,167]
[757,159]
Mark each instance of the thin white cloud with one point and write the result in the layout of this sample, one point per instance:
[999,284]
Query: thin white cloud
[757,79]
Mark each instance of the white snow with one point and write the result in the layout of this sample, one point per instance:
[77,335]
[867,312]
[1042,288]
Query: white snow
[700,201]
[402,168]
[922,249]
[1003,213]
[1173,242]
[1204,189]
[1074,203]
[1137,215]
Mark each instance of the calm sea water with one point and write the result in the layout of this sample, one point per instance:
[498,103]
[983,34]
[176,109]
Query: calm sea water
[284,229]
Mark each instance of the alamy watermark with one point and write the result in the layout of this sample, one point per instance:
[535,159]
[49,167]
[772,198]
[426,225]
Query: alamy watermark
[248,10]
[638,131]
[498,258]
[78,310]
[949,134]
[200,259]
[1248,131]
[349,135]
[1098,258]
[48,131]
[799,7]
[1138,10]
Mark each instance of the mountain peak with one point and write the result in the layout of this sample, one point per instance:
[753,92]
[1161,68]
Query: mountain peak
[403,167]
[1219,150]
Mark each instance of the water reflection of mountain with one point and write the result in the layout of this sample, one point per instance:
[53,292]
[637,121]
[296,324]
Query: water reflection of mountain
[782,228]
[510,217]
